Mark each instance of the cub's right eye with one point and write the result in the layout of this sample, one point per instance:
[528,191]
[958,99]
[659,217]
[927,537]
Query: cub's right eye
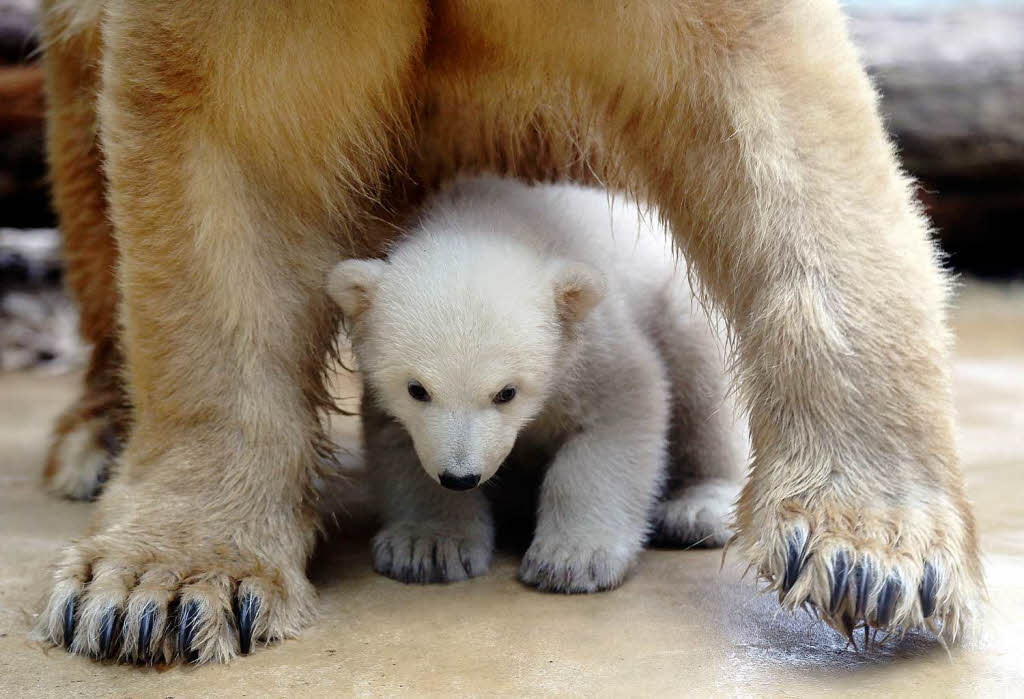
[419,393]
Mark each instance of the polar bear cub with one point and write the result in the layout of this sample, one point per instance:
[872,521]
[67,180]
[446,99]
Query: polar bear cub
[539,330]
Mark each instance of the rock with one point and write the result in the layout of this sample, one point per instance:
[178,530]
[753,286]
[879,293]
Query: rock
[29,258]
[952,82]
[24,195]
[18,37]
[38,322]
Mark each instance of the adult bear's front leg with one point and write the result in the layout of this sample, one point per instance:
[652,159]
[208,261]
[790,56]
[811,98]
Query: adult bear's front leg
[233,151]
[754,129]
[786,196]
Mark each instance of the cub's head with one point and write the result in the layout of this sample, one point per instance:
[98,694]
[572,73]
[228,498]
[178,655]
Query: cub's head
[461,338]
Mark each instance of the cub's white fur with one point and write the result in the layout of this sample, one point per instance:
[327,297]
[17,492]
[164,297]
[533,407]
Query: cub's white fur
[578,306]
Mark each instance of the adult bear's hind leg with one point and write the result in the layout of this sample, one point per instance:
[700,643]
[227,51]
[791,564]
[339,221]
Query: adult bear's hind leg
[91,431]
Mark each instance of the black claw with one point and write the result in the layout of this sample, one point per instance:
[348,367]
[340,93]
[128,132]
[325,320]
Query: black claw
[840,576]
[108,639]
[927,591]
[887,602]
[187,621]
[794,560]
[246,611]
[849,623]
[69,622]
[862,576]
[436,574]
[146,631]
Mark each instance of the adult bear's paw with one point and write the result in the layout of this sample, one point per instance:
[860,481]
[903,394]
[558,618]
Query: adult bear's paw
[132,596]
[868,563]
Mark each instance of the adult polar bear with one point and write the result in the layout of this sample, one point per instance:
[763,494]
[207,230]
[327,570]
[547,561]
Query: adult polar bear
[247,145]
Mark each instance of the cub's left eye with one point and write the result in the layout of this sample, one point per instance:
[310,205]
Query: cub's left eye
[505,395]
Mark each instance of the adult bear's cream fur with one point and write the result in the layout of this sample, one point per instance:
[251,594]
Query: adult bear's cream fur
[234,150]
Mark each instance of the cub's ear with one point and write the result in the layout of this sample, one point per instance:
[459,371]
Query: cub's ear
[353,283]
[578,288]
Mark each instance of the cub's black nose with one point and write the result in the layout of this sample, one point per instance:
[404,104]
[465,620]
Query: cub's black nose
[459,482]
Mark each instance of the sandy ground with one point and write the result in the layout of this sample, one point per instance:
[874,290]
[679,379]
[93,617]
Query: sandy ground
[679,626]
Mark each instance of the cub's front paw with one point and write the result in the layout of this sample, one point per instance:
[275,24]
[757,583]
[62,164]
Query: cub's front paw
[862,563]
[418,552]
[561,566]
[124,598]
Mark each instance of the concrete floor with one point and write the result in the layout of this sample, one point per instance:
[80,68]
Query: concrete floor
[679,626]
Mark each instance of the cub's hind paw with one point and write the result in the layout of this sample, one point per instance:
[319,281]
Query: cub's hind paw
[420,553]
[698,516]
[139,609]
[893,570]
